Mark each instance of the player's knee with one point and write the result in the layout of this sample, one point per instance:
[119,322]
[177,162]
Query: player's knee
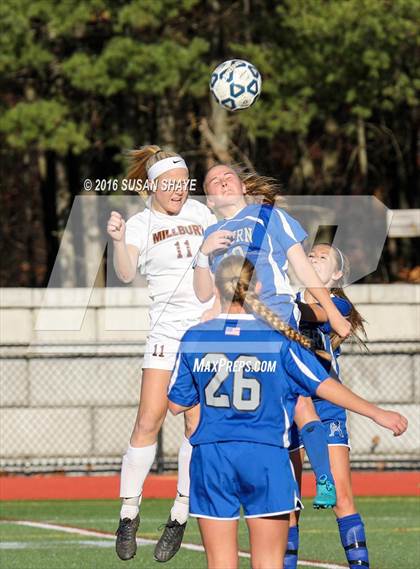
[146,426]
[345,503]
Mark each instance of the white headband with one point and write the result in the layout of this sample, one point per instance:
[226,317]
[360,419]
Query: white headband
[165,165]
[341,257]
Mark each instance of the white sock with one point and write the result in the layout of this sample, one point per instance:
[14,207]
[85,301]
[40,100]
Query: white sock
[180,509]
[184,459]
[128,510]
[136,465]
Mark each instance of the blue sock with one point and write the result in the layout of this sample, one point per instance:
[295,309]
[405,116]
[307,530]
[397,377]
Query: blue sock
[291,557]
[315,442]
[353,539]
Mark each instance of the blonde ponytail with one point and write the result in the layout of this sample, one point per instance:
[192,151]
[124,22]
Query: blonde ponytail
[234,280]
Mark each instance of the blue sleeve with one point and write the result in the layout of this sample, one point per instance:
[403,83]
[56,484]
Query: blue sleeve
[210,229]
[182,388]
[212,263]
[287,230]
[304,370]
[342,305]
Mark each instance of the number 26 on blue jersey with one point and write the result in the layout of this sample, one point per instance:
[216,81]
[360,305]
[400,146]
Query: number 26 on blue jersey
[246,392]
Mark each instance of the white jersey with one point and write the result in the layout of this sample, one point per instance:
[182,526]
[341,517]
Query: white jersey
[168,245]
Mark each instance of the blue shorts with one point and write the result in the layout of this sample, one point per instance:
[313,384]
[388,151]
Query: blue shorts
[228,475]
[337,434]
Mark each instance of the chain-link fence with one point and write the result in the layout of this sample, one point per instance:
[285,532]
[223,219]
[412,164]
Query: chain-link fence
[72,408]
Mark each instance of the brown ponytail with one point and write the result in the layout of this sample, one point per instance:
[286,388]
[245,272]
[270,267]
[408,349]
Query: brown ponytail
[357,332]
[261,189]
[142,159]
[235,283]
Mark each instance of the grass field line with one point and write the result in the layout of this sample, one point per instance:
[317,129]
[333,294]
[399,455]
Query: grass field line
[142,541]
[6,545]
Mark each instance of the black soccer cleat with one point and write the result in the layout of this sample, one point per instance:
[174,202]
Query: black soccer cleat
[170,541]
[126,545]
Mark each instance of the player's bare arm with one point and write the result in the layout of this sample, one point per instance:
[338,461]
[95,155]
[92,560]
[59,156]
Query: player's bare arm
[308,277]
[312,312]
[176,409]
[125,256]
[203,279]
[203,283]
[344,397]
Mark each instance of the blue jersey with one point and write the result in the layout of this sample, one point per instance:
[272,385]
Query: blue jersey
[263,234]
[246,377]
[320,332]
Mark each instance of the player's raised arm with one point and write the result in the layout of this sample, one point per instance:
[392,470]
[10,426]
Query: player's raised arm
[203,282]
[308,277]
[344,397]
[312,312]
[125,256]
[310,375]
[203,279]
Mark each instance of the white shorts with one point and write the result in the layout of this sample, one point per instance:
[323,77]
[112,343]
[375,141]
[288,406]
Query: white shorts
[162,344]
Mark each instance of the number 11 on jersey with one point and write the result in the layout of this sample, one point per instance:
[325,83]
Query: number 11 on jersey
[161,352]
[179,250]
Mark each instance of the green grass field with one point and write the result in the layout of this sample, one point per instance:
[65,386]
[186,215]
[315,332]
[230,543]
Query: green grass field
[393,532]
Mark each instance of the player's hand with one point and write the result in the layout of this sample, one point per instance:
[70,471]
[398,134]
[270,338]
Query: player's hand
[392,420]
[116,226]
[218,240]
[340,325]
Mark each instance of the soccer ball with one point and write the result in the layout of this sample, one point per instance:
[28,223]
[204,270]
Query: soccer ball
[235,84]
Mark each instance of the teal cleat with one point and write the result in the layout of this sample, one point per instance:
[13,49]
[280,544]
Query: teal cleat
[326,496]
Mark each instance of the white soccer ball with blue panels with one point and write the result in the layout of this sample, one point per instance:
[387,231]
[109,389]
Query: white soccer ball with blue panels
[235,84]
